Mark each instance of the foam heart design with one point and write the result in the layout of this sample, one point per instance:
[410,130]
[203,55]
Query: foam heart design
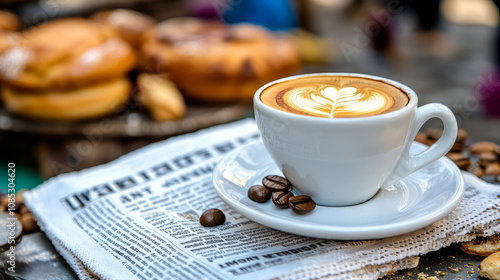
[330,101]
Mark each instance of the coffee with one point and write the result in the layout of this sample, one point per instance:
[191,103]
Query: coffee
[334,97]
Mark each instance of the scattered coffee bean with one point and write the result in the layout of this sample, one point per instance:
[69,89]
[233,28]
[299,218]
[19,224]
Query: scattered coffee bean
[484,147]
[4,201]
[259,193]
[480,158]
[492,169]
[475,169]
[301,204]
[212,217]
[17,204]
[280,199]
[23,209]
[421,137]
[462,136]
[486,158]
[28,222]
[434,134]
[460,160]
[457,147]
[459,144]
[276,183]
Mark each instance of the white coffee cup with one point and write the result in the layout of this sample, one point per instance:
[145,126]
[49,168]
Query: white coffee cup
[345,161]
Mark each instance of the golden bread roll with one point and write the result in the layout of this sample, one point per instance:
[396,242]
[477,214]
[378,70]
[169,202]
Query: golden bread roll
[9,21]
[161,97]
[66,53]
[490,267]
[130,25]
[210,61]
[68,105]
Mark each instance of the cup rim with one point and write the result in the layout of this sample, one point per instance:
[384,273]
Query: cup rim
[410,106]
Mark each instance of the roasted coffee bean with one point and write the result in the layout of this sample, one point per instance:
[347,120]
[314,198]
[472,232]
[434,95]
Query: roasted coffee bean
[475,169]
[23,210]
[460,160]
[457,147]
[29,223]
[484,147]
[276,183]
[421,137]
[212,217]
[462,136]
[259,193]
[486,158]
[280,199]
[434,134]
[492,169]
[4,201]
[301,204]
[459,144]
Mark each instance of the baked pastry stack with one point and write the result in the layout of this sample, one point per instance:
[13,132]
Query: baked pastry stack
[211,61]
[67,69]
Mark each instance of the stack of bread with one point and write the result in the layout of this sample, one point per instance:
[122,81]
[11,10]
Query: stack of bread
[75,68]
[66,69]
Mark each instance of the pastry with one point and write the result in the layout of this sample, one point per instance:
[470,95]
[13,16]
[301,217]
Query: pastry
[210,61]
[129,24]
[161,97]
[482,246]
[490,267]
[66,70]
[9,21]
[68,104]
[66,53]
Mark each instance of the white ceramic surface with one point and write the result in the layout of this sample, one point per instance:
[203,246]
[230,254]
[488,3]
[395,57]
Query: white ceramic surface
[414,202]
[345,161]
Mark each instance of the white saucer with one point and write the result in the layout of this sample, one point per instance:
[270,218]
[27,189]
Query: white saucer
[413,203]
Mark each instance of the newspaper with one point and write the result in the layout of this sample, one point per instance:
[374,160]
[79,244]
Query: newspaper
[137,218]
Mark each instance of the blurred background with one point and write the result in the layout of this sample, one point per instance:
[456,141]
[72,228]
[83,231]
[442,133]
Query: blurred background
[447,51]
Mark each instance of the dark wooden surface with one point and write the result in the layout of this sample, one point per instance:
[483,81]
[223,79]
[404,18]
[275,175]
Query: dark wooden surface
[450,82]
[37,259]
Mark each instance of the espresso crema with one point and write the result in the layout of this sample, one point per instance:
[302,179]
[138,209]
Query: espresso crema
[334,97]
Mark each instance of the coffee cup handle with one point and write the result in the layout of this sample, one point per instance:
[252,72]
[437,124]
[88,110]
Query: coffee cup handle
[409,163]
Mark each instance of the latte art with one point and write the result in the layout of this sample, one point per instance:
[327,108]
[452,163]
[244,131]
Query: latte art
[334,97]
[328,101]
